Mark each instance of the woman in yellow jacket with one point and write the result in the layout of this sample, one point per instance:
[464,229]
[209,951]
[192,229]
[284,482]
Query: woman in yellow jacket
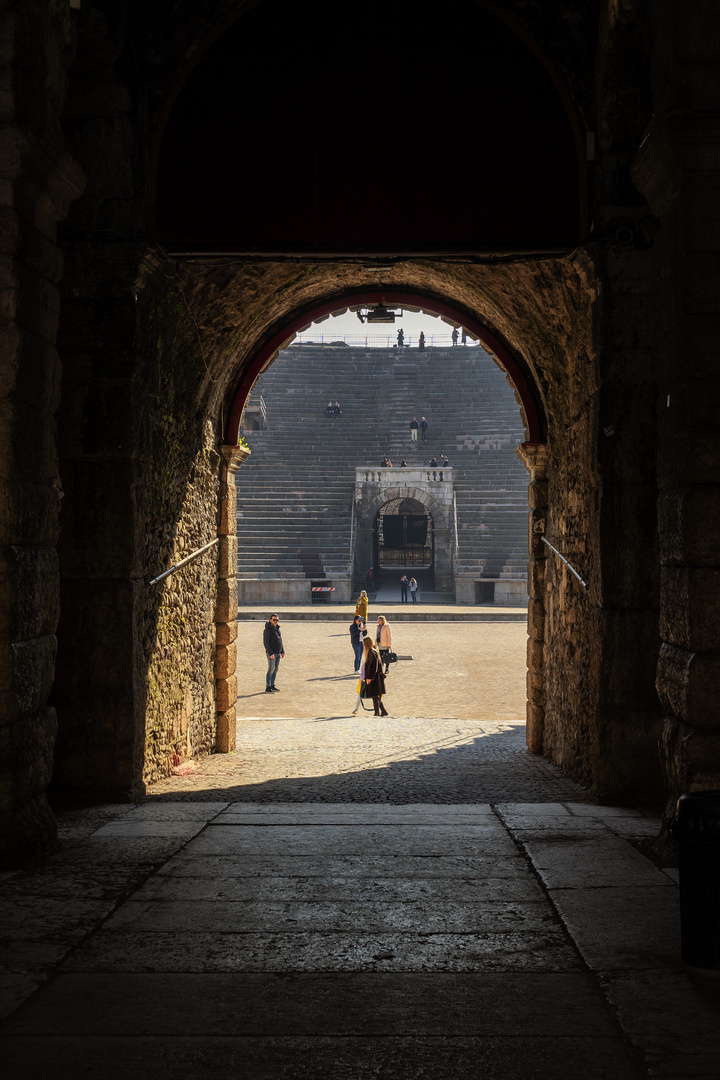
[383,638]
[362,606]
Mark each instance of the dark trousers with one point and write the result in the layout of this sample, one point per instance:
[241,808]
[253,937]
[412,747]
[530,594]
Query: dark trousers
[379,710]
[358,650]
[383,659]
[403,594]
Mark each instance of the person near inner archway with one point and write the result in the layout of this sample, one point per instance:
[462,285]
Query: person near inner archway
[273,642]
[423,429]
[414,429]
[404,588]
[374,677]
[421,340]
[400,338]
[413,589]
[383,637]
[455,335]
[361,606]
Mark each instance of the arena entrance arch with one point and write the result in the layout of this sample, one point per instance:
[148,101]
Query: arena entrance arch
[404,538]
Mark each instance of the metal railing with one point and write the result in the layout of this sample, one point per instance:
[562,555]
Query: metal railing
[570,568]
[377,341]
[185,561]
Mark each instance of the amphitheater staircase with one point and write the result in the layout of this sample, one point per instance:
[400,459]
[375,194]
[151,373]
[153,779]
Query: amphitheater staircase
[295,492]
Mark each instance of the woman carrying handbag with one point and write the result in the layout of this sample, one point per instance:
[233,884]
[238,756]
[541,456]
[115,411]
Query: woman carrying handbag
[374,677]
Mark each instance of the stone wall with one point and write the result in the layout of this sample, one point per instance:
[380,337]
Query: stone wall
[38,180]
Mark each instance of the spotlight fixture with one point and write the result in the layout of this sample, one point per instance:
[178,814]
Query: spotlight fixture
[379,314]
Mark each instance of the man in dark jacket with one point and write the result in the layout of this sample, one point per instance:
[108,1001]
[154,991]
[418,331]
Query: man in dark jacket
[423,429]
[357,633]
[272,640]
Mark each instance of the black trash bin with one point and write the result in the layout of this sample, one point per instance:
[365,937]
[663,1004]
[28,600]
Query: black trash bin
[697,828]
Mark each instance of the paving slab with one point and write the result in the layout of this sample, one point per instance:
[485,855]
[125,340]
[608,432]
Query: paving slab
[429,916]
[591,863]
[177,1058]
[408,951]
[195,811]
[623,928]
[117,852]
[313,889]
[493,865]
[41,917]
[370,1003]
[346,840]
[150,827]
[674,1021]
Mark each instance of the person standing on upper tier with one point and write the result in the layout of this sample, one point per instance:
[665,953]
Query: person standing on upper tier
[413,429]
[423,429]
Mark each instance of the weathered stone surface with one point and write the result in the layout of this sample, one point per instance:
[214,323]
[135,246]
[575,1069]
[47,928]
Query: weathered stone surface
[690,610]
[686,684]
[225,661]
[226,693]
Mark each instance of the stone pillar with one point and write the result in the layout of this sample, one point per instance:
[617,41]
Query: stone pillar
[227,602]
[678,170]
[534,457]
[38,181]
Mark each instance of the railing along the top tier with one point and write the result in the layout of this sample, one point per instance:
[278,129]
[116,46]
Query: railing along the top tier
[377,341]
[383,474]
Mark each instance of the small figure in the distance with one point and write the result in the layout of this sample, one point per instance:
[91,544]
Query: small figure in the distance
[403,464]
[421,340]
[386,463]
[433,463]
[400,338]
[455,335]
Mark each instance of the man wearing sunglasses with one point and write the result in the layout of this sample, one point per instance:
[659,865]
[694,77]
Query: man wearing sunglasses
[272,640]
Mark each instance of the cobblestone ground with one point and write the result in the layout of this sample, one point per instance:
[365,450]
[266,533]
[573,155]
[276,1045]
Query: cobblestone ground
[455,734]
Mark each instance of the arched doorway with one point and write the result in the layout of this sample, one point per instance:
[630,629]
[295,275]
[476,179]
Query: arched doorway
[404,538]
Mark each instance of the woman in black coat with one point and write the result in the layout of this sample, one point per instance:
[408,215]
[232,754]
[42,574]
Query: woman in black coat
[374,677]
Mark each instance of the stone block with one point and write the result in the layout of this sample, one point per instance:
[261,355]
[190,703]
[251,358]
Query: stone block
[538,494]
[27,829]
[694,405]
[228,510]
[536,579]
[227,600]
[535,652]
[536,620]
[226,728]
[227,562]
[34,671]
[627,454]
[32,600]
[38,307]
[690,608]
[688,458]
[226,633]
[687,686]
[99,519]
[534,726]
[226,693]
[690,759]
[689,526]
[26,758]
[225,661]
[628,538]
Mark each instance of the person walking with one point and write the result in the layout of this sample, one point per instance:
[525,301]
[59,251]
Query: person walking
[374,678]
[413,589]
[361,680]
[383,637]
[423,429]
[357,633]
[272,640]
[362,606]
[403,589]
[413,429]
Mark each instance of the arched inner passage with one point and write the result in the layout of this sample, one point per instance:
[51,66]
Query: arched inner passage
[404,536]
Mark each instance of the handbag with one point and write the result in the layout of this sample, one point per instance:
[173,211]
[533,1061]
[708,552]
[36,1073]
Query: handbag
[391,658]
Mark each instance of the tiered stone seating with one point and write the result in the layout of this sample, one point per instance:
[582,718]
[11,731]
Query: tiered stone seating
[295,492]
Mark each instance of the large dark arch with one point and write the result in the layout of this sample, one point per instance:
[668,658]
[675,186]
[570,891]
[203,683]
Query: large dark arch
[296,132]
[520,377]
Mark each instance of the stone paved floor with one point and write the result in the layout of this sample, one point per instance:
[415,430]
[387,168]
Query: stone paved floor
[456,732]
[413,899]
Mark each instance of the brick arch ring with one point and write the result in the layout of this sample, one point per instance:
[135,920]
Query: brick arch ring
[529,397]
[388,494]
